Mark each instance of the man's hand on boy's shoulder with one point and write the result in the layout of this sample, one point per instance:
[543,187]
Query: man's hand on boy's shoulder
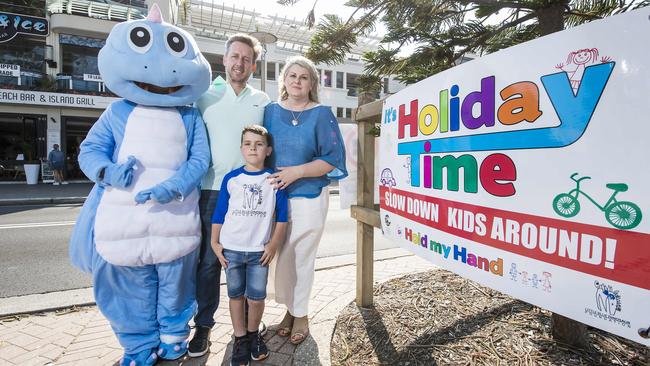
[218,251]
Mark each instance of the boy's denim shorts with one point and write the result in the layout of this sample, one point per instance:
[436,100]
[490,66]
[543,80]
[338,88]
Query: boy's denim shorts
[245,275]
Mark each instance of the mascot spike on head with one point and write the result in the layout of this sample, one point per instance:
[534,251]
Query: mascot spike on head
[154,63]
[138,232]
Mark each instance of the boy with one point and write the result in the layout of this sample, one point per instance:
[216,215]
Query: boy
[242,225]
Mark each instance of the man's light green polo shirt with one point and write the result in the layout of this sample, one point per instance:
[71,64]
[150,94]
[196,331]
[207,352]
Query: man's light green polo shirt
[225,115]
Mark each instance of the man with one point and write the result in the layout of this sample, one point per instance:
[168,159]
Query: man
[227,107]
[56,160]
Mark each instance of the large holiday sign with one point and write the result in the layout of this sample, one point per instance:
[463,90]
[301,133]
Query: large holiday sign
[527,171]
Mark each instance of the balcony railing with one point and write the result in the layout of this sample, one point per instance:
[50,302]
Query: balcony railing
[98,9]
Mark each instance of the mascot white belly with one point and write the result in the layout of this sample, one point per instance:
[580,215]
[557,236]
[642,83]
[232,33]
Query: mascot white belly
[128,234]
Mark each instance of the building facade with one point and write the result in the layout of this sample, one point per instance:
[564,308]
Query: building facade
[51,91]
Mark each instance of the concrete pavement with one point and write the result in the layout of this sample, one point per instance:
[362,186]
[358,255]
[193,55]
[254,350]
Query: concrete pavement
[82,336]
[65,328]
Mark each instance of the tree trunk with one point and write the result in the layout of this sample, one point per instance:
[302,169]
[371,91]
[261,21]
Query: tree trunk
[551,18]
[569,331]
[565,330]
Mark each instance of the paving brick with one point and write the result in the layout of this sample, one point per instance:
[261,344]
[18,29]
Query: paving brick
[53,353]
[95,335]
[73,330]
[225,339]
[38,344]
[326,290]
[216,359]
[219,331]
[63,340]
[87,344]
[218,347]
[35,330]
[23,358]
[36,361]
[22,340]
[11,351]
[90,355]
[109,358]
[274,310]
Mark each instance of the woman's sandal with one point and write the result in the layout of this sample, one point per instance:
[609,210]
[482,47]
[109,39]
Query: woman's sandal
[284,328]
[300,330]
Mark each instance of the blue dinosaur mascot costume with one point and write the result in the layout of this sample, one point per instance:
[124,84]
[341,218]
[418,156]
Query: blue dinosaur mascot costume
[139,230]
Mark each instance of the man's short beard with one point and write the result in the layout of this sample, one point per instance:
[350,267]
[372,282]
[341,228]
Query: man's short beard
[243,78]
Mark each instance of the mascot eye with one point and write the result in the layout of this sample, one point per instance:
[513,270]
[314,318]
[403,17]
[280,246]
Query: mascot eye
[176,44]
[140,38]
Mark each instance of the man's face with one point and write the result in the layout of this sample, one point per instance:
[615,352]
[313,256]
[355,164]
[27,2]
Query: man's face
[239,62]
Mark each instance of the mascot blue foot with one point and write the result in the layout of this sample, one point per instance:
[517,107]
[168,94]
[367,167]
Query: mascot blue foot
[145,358]
[172,351]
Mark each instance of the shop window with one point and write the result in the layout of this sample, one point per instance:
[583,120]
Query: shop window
[21,138]
[339,80]
[348,112]
[216,64]
[270,71]
[340,112]
[79,58]
[280,67]
[327,78]
[352,84]
[258,70]
[27,54]
[75,130]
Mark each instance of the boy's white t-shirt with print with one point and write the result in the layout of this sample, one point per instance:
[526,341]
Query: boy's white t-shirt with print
[247,206]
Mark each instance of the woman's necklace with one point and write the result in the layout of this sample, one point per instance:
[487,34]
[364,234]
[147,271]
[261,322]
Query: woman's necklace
[295,119]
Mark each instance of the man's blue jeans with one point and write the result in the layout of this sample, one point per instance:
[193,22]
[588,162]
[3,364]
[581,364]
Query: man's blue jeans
[208,273]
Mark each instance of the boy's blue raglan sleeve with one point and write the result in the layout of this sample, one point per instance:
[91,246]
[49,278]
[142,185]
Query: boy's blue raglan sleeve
[219,215]
[281,206]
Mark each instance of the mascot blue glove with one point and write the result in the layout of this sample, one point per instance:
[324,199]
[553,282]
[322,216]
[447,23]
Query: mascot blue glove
[159,193]
[139,230]
[119,175]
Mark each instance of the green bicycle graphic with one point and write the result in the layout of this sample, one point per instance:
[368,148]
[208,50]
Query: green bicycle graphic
[622,215]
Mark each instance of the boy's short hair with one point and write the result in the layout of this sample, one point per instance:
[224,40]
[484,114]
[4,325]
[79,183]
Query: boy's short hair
[258,130]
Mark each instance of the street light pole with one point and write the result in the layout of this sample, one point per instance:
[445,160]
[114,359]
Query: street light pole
[264,38]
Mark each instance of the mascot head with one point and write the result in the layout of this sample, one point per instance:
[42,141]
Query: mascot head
[153,63]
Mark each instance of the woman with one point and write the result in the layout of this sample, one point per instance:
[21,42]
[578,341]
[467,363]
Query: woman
[307,151]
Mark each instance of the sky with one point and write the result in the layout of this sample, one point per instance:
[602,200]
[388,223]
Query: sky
[299,10]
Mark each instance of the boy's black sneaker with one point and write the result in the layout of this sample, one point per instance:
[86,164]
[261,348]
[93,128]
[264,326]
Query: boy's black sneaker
[200,343]
[241,352]
[259,351]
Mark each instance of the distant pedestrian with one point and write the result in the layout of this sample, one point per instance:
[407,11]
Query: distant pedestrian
[56,160]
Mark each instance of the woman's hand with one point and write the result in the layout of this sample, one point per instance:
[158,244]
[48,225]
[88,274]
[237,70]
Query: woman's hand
[286,175]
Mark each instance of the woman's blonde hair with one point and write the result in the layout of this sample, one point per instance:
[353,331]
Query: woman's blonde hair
[313,75]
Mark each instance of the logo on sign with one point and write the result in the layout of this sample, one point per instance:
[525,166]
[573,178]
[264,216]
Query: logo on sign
[608,304]
[608,300]
[12,24]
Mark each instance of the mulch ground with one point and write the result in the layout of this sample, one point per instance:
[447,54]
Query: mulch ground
[439,318]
